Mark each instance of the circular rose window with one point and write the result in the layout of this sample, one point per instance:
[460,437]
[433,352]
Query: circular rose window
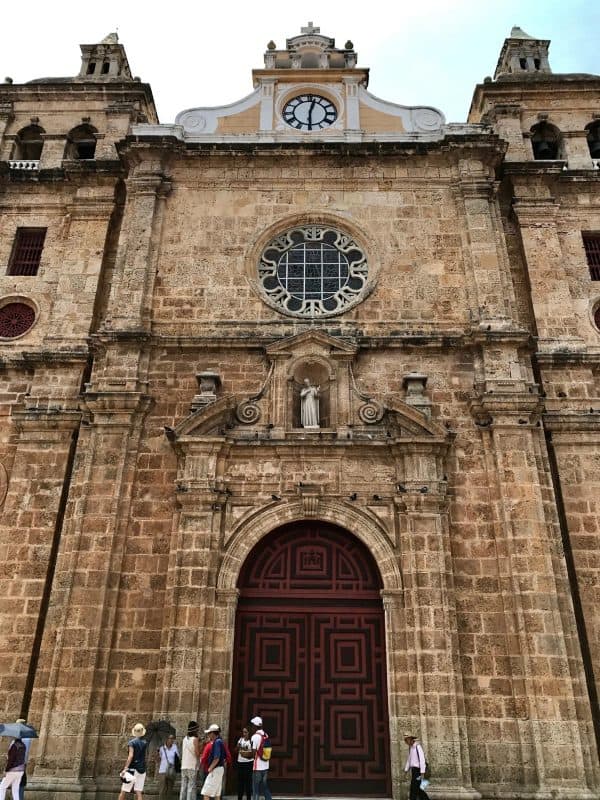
[597,318]
[313,271]
[15,320]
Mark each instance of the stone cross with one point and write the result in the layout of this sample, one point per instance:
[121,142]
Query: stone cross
[310,28]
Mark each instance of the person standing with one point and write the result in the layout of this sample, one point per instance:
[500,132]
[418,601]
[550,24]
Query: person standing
[15,768]
[165,756]
[190,758]
[216,764]
[245,760]
[260,769]
[134,771]
[415,764]
[27,743]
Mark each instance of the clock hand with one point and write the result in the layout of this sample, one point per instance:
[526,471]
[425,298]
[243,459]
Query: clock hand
[310,110]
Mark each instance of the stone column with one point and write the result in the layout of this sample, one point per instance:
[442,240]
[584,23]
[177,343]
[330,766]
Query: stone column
[538,618]
[135,269]
[79,636]
[555,316]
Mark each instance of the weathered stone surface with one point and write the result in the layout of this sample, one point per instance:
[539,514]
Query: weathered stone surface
[459,439]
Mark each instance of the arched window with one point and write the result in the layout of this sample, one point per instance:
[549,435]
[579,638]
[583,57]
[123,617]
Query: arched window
[593,138]
[81,143]
[546,142]
[29,144]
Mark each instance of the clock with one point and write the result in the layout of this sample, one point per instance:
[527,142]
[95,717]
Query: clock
[309,112]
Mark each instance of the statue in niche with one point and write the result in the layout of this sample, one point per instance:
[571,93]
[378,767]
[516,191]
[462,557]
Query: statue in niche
[309,405]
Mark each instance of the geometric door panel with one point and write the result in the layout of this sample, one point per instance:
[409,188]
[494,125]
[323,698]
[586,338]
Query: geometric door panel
[310,659]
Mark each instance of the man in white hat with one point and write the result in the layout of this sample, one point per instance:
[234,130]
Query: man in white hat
[133,775]
[216,764]
[261,767]
[416,765]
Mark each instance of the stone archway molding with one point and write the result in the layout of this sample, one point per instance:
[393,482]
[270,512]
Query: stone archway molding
[253,528]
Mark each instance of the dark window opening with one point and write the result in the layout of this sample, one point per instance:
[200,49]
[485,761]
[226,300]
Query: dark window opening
[105,68]
[91,68]
[523,63]
[545,140]
[597,318]
[29,144]
[591,243]
[537,63]
[81,143]
[27,251]
[593,139]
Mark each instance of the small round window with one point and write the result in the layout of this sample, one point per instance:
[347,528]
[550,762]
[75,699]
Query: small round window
[597,317]
[15,320]
[313,271]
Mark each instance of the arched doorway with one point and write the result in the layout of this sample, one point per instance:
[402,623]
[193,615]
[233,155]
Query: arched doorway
[309,657]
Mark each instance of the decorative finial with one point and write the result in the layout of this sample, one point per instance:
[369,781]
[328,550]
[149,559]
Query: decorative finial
[349,45]
[271,45]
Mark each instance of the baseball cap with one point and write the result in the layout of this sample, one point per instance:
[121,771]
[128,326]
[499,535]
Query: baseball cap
[212,729]
[256,721]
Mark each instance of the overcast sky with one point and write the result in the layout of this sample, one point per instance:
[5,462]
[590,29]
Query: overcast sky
[426,52]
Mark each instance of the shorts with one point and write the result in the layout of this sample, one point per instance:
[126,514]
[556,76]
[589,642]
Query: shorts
[136,784]
[213,783]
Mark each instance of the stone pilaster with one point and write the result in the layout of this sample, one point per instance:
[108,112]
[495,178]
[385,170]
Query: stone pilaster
[536,628]
[506,119]
[76,649]
[28,527]
[491,294]
[433,701]
[135,269]
[555,317]
[576,150]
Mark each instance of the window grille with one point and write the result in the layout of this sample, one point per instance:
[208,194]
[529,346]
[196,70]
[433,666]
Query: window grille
[591,242]
[27,251]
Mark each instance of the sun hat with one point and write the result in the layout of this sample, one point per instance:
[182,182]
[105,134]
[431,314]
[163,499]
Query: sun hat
[138,729]
[256,721]
[410,736]
[212,729]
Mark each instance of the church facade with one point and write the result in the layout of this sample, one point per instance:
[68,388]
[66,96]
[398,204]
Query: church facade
[301,418]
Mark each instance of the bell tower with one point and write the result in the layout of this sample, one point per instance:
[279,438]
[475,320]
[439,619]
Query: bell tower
[105,61]
[522,54]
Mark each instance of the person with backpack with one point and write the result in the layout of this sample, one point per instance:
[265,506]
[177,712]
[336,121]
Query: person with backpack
[261,750]
[417,766]
[216,764]
[15,767]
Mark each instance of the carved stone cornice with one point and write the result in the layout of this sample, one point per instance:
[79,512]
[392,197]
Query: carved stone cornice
[517,409]
[115,408]
[536,212]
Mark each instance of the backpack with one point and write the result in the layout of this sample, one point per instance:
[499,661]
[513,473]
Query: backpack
[264,748]
[228,758]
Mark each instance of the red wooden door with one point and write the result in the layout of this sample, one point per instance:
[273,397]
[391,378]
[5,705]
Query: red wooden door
[310,659]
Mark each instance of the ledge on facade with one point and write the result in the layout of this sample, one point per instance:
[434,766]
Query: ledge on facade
[534,167]
[111,166]
[568,358]
[28,358]
[350,143]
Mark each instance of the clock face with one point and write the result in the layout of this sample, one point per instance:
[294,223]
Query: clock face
[309,112]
